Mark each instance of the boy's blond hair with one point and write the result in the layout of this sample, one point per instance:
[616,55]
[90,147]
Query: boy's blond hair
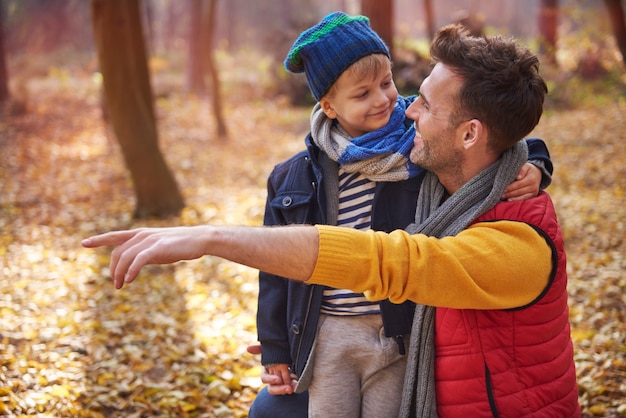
[369,66]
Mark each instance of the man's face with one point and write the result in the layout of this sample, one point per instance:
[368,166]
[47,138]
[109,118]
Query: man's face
[437,145]
[362,105]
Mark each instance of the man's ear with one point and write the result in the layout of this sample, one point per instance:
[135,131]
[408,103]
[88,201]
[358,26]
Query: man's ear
[473,133]
[327,108]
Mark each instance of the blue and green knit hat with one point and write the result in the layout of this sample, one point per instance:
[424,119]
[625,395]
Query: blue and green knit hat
[324,51]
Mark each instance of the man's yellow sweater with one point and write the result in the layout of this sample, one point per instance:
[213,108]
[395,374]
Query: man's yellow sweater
[447,272]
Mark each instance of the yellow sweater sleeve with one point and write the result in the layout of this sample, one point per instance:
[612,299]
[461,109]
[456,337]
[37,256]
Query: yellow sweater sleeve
[490,265]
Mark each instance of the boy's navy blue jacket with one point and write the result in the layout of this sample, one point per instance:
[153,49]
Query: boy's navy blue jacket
[288,311]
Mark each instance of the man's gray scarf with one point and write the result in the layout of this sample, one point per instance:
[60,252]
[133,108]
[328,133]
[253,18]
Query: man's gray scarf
[438,219]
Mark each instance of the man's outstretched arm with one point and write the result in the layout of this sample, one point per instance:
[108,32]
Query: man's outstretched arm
[461,272]
[288,252]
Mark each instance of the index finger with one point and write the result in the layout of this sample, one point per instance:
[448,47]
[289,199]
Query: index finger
[108,238]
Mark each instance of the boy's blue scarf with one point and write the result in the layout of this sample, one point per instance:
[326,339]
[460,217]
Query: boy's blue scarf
[380,155]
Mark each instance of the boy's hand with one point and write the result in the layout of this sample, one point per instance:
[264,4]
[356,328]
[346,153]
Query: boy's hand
[526,184]
[279,378]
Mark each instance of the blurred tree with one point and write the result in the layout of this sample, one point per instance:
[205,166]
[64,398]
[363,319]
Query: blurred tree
[548,23]
[195,71]
[616,14]
[147,13]
[4,75]
[43,26]
[429,16]
[129,102]
[216,96]
[201,58]
[380,13]
[172,19]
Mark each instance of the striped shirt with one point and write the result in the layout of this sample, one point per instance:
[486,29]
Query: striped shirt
[356,194]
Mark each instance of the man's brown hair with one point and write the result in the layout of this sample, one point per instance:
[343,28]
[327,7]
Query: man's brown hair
[501,83]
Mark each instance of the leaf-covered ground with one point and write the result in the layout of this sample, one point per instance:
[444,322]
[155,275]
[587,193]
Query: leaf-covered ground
[172,344]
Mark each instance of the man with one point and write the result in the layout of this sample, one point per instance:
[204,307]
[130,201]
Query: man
[491,333]
[355,172]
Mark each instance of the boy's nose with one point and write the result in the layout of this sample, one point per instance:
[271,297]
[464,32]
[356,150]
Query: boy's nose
[382,98]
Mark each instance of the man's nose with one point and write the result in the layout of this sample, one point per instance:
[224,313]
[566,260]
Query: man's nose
[411,112]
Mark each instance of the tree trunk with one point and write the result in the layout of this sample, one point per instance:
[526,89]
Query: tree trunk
[430,18]
[4,74]
[216,96]
[380,13]
[195,70]
[148,19]
[616,14]
[129,101]
[548,23]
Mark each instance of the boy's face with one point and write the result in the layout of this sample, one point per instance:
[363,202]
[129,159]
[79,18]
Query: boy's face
[361,104]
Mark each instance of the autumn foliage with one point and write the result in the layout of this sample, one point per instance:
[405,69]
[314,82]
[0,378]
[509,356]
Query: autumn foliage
[173,343]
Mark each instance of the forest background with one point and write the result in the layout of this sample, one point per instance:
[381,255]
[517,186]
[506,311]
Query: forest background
[173,343]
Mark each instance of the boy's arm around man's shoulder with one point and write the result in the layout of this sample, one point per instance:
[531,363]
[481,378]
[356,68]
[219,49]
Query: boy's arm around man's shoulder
[539,156]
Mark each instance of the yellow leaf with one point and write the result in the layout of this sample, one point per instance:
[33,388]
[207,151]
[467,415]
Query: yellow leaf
[105,377]
[187,407]
[60,391]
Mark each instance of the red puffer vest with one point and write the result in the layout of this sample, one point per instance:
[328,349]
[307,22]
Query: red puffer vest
[511,363]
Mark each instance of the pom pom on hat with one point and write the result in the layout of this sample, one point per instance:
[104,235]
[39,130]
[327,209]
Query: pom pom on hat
[324,51]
